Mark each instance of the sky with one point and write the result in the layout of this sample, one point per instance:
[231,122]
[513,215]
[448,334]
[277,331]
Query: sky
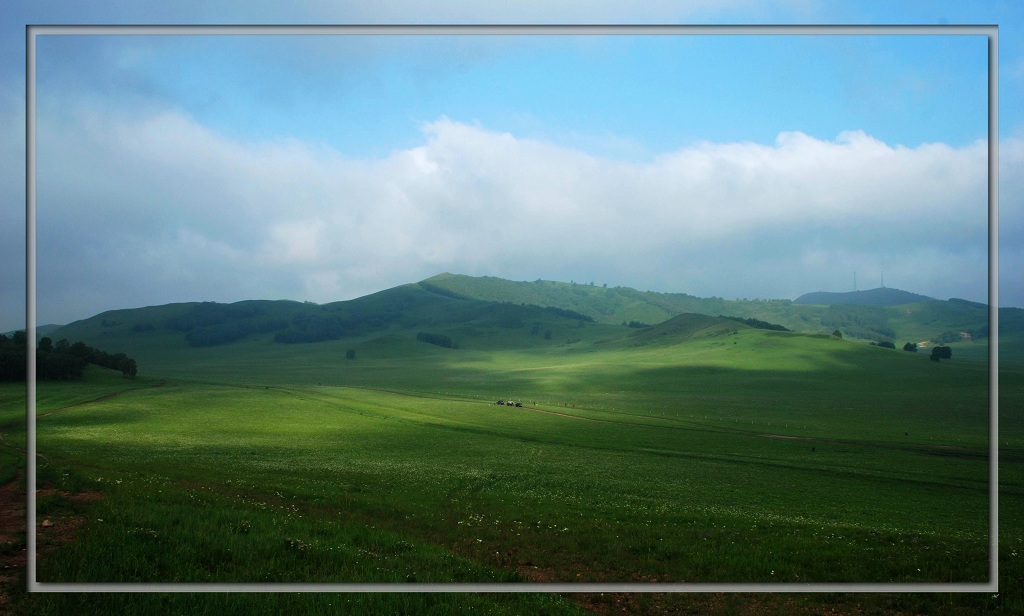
[174,168]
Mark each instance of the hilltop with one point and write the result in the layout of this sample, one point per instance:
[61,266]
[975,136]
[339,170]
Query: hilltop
[881,296]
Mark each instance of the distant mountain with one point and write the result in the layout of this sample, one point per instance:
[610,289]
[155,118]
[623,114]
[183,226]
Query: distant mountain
[881,296]
[41,330]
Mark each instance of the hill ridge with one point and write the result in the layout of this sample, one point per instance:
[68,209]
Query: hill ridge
[460,305]
[881,296]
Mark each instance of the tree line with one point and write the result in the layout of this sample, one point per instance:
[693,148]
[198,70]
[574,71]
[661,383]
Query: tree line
[860,321]
[758,323]
[636,324]
[57,361]
[211,324]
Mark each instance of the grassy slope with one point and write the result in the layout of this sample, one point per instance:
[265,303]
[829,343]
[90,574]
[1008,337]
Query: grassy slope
[685,490]
[912,322]
[685,406]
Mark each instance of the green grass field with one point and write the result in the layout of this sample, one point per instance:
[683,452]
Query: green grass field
[703,453]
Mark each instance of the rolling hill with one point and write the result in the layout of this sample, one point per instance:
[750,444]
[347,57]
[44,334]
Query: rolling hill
[496,313]
[867,315]
[303,428]
[871,297]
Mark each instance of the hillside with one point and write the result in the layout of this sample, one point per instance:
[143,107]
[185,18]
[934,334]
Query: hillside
[686,327]
[41,330]
[497,313]
[603,304]
[871,297]
[181,332]
[869,315]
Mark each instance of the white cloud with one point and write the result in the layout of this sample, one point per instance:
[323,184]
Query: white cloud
[287,219]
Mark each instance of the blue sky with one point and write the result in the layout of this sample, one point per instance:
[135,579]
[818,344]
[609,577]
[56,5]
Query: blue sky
[185,168]
[367,95]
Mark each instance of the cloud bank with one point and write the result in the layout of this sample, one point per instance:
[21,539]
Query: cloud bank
[154,208]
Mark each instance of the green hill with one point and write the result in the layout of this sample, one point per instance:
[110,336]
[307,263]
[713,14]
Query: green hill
[686,327]
[360,440]
[41,330]
[867,315]
[492,313]
[871,297]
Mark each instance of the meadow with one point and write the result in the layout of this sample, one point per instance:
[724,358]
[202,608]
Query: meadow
[695,454]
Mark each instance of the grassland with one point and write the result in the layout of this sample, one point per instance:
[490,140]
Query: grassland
[696,451]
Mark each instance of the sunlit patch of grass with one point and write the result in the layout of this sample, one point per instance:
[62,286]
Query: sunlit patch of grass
[620,489]
[672,465]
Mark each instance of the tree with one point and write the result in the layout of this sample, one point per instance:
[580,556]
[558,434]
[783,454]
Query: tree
[54,366]
[941,352]
[13,357]
[910,347]
[837,334]
[45,345]
[79,349]
[128,367]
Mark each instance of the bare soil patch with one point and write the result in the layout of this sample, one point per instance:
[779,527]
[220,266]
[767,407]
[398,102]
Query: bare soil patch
[51,532]
[55,530]
[12,540]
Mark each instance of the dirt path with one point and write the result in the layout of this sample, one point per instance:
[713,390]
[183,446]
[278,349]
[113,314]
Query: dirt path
[537,410]
[791,438]
[5,443]
[100,399]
